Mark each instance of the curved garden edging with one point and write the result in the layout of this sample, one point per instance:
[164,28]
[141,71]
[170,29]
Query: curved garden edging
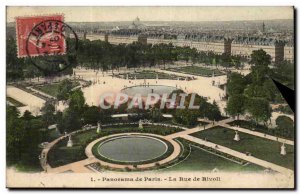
[176,152]
[96,152]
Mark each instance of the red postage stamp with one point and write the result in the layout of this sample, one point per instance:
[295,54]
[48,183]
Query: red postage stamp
[40,35]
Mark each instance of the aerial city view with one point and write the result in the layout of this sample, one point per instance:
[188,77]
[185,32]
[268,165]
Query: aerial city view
[129,94]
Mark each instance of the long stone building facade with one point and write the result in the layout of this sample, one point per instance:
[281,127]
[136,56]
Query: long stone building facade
[242,46]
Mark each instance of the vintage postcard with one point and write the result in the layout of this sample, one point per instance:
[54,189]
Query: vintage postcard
[150,97]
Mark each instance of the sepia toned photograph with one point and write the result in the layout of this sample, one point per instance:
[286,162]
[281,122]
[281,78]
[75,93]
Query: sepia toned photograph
[150,97]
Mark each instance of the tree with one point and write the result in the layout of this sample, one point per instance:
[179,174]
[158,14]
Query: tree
[48,111]
[236,61]
[236,105]
[185,54]
[260,70]
[27,115]
[64,89]
[72,116]
[14,65]
[260,58]
[71,120]
[186,117]
[259,109]
[208,110]
[226,60]
[32,137]
[194,56]
[213,112]
[236,84]
[155,114]
[77,101]
[14,135]
[59,121]
[254,90]
[284,72]
[91,115]
[271,91]
[285,125]
[22,139]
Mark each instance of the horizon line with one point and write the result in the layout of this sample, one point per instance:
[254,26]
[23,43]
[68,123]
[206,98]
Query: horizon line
[176,21]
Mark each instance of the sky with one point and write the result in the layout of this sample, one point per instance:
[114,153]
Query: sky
[109,14]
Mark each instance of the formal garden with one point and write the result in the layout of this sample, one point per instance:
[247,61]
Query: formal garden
[192,157]
[198,71]
[53,89]
[200,158]
[60,154]
[284,128]
[147,74]
[261,148]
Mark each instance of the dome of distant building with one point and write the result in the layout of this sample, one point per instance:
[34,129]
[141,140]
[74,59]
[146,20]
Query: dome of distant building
[137,24]
[116,28]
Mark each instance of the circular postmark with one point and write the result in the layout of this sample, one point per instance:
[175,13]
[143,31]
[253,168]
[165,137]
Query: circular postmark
[52,46]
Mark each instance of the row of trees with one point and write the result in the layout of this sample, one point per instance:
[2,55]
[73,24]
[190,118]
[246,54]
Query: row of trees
[21,68]
[102,55]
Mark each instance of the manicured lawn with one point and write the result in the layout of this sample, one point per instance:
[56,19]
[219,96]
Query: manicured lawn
[200,160]
[60,154]
[172,122]
[199,71]
[150,75]
[259,147]
[52,89]
[14,102]
[249,125]
[260,128]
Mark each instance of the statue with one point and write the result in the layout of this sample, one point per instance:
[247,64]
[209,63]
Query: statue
[98,127]
[56,129]
[225,90]
[236,137]
[215,170]
[70,142]
[141,124]
[283,150]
